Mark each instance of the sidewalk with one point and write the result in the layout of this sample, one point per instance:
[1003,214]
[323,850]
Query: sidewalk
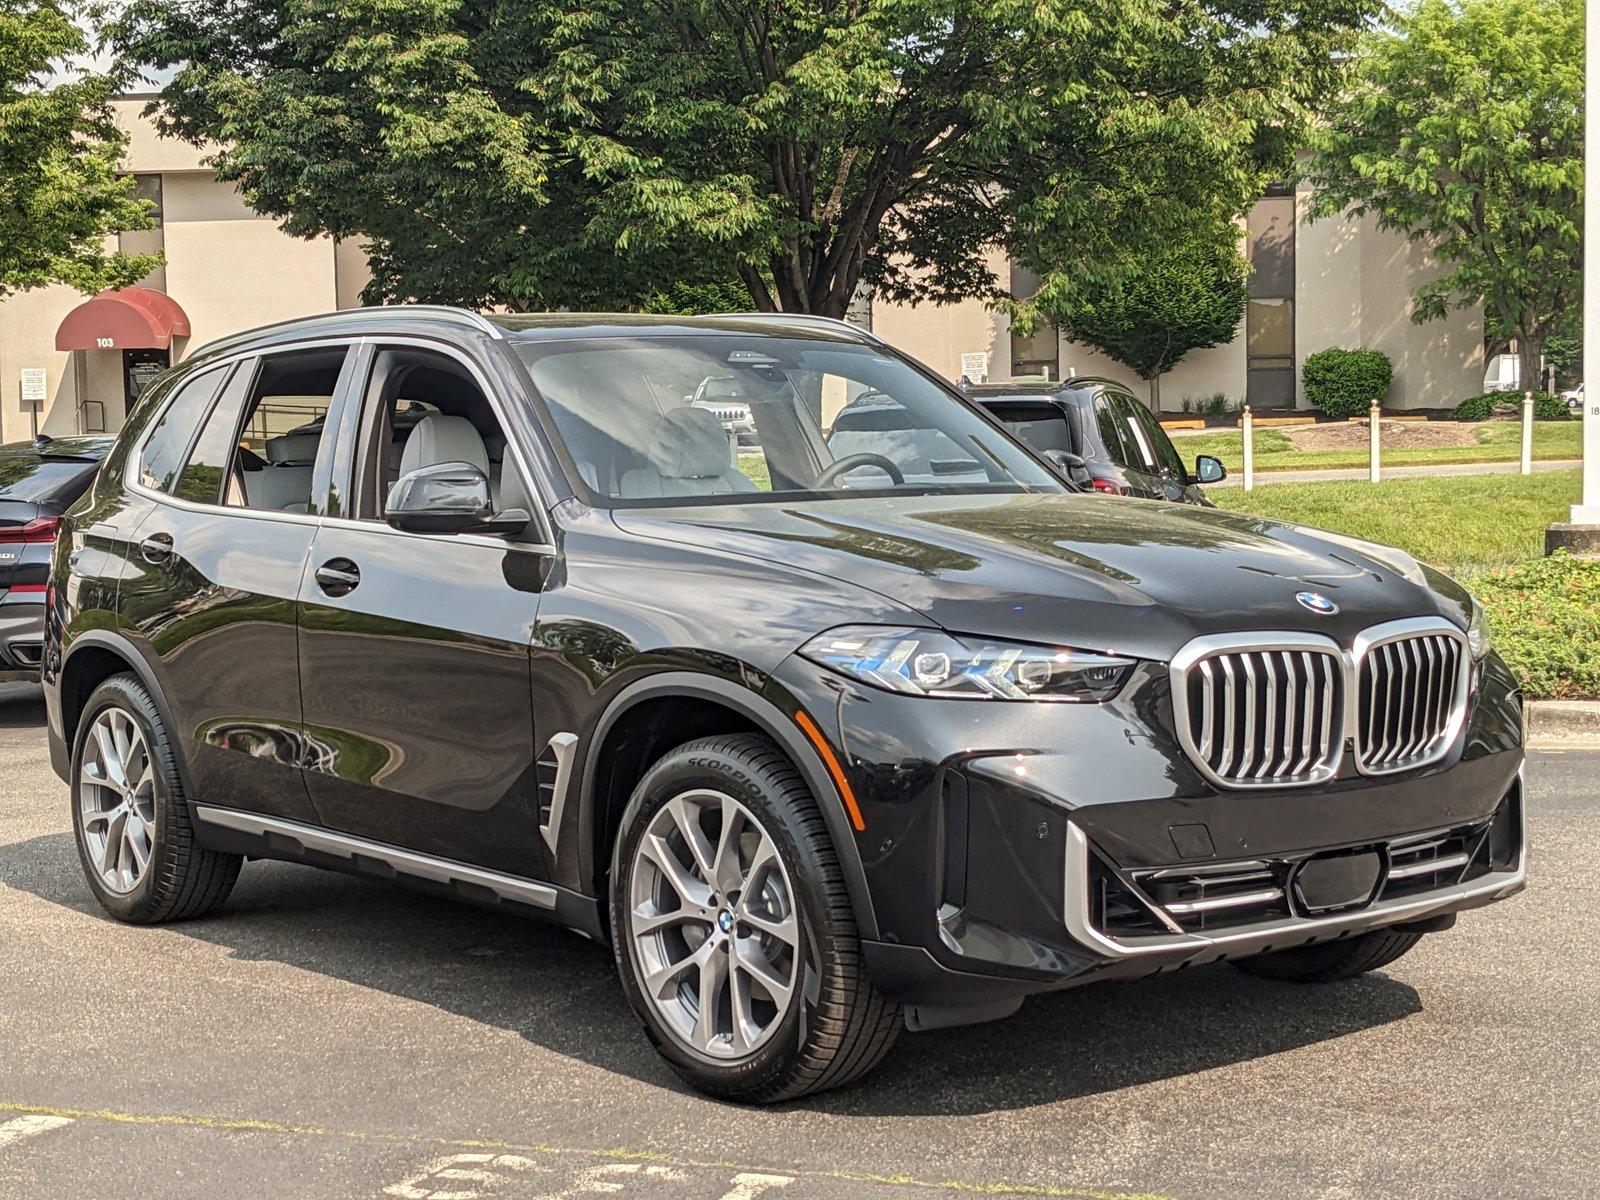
[1236,478]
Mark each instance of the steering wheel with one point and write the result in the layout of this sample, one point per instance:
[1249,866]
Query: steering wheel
[851,461]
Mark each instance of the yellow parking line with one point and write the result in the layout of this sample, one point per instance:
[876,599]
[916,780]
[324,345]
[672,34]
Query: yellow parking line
[251,1125]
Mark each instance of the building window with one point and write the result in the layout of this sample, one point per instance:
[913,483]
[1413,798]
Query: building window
[148,241]
[1040,352]
[1269,316]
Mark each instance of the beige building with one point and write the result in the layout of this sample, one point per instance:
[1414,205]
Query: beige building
[1334,283]
[227,269]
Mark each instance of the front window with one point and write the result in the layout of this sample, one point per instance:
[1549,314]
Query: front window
[708,418]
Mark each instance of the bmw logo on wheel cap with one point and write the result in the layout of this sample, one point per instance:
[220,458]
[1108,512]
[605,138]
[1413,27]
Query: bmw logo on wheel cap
[1317,603]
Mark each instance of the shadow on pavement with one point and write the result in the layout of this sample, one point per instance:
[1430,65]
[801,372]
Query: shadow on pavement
[22,707]
[560,992]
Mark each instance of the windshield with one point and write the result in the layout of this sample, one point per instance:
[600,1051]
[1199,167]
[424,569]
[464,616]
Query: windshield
[808,419]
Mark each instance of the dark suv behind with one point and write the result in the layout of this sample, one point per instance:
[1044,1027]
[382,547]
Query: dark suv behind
[823,741]
[39,480]
[1122,445]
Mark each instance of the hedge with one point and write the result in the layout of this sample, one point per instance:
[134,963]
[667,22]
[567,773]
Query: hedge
[1488,405]
[1544,615]
[1346,383]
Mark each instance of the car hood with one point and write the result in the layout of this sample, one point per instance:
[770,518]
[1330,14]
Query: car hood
[1138,577]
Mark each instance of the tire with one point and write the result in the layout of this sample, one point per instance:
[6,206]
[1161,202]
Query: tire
[834,1027]
[178,879]
[1331,961]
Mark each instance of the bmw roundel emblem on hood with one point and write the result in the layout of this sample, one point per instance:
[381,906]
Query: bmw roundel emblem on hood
[1317,603]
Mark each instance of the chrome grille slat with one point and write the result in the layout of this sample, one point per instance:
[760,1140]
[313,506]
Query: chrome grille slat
[1413,683]
[1276,709]
[1263,714]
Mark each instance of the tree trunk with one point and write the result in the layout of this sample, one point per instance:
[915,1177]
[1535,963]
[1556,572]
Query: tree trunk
[1530,349]
[1155,393]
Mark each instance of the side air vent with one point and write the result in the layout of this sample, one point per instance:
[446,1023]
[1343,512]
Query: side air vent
[553,771]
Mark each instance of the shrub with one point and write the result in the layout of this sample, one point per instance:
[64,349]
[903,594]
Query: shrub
[1217,404]
[1508,406]
[1545,618]
[1345,383]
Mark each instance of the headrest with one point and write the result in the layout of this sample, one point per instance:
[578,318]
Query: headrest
[293,448]
[441,439]
[689,443]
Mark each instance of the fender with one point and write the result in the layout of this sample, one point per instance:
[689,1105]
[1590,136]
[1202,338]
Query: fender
[772,721]
[107,639]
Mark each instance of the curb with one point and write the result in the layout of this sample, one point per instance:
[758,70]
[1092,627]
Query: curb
[1563,724]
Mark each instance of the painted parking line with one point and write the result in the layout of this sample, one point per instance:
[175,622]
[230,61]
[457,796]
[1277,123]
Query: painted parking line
[608,1171]
[28,1126]
[478,1176]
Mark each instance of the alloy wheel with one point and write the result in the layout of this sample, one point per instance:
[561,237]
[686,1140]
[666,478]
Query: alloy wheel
[117,801]
[713,925]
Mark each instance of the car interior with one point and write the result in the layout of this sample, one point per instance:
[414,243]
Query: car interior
[427,409]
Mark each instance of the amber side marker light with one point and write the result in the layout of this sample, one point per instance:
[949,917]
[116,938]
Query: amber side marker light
[831,761]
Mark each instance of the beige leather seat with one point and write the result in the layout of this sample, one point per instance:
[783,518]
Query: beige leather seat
[689,455]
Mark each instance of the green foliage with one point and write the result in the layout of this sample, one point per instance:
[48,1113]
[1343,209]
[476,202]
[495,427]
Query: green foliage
[1181,297]
[1478,408]
[1217,404]
[1545,619]
[1508,406]
[1346,383]
[578,153]
[1463,126]
[697,299]
[60,188]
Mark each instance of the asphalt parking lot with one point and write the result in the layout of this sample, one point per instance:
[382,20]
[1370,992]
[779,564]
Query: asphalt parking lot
[336,1037]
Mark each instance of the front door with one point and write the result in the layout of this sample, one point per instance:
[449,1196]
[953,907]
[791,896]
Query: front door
[414,649]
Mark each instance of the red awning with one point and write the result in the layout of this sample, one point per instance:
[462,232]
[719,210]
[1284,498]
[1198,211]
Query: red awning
[130,318]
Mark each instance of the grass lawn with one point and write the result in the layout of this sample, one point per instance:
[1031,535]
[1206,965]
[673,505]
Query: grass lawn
[1460,524]
[1498,441]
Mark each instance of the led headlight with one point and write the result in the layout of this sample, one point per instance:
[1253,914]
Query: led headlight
[926,662]
[1478,639]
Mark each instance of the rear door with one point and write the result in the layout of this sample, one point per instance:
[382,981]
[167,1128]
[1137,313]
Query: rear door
[218,560]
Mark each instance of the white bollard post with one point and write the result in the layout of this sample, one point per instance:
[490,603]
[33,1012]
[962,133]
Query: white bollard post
[1373,416]
[1527,433]
[1247,424]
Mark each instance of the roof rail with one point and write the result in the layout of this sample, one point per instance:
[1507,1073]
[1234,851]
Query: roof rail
[465,316]
[815,318]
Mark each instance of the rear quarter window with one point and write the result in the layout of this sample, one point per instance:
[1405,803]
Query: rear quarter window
[164,450]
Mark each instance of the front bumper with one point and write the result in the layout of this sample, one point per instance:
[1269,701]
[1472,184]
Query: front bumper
[988,825]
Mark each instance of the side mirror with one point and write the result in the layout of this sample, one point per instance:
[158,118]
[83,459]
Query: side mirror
[450,497]
[1209,470]
[1072,468]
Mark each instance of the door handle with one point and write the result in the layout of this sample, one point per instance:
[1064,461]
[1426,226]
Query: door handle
[156,548]
[338,576]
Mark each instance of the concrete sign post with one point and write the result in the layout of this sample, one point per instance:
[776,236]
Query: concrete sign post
[1582,536]
[1587,510]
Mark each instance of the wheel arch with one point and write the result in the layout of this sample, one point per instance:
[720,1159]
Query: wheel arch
[95,656]
[599,807]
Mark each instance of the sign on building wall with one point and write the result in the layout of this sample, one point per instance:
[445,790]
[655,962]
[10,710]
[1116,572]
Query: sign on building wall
[34,387]
[975,367]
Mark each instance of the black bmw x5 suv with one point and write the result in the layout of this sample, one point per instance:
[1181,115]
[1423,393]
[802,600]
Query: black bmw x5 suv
[824,743]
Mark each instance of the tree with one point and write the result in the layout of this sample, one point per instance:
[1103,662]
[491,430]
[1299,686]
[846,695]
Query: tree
[1185,297]
[1463,127]
[579,153]
[61,193]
